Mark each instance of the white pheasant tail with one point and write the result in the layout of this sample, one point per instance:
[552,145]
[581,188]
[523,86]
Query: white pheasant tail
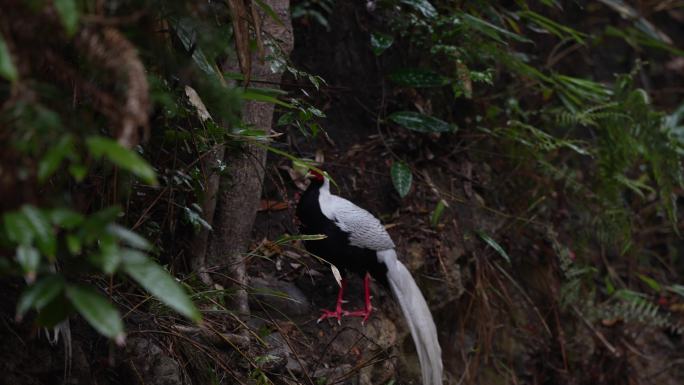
[418,317]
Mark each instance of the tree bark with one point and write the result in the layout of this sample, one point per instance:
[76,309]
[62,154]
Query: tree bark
[240,190]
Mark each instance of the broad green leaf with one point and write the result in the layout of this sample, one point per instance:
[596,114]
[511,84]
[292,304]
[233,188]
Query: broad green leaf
[421,123]
[422,6]
[65,218]
[437,213]
[129,237]
[494,245]
[7,68]
[18,228]
[160,283]
[401,178]
[42,229]
[54,312]
[97,223]
[39,294]
[97,310]
[54,157]
[68,14]
[187,34]
[418,78]
[108,258]
[380,42]
[29,260]
[74,245]
[122,157]
[78,171]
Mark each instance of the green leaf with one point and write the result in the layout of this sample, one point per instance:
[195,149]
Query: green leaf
[187,34]
[74,244]
[422,6]
[122,157]
[78,171]
[551,26]
[18,228]
[129,237]
[418,78]
[40,294]
[437,213]
[65,218]
[269,11]
[401,178]
[95,225]
[196,220]
[97,310]
[677,289]
[54,157]
[54,312]
[421,123]
[108,258]
[42,229]
[494,245]
[29,260]
[159,282]
[7,68]
[493,31]
[380,42]
[652,283]
[610,288]
[265,95]
[68,14]
[285,239]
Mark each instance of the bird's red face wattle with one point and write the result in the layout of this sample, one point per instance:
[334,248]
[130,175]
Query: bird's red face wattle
[317,176]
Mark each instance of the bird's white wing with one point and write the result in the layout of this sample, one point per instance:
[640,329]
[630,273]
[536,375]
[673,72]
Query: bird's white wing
[363,228]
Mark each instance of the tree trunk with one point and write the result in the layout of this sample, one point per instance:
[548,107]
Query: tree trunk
[240,190]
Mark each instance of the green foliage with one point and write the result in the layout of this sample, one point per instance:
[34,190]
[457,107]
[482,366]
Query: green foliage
[421,123]
[122,157]
[494,245]
[95,238]
[101,213]
[157,281]
[418,78]
[596,149]
[95,308]
[317,10]
[401,178]
[7,68]
[69,14]
[380,42]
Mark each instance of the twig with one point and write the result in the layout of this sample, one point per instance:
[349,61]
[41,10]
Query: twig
[596,332]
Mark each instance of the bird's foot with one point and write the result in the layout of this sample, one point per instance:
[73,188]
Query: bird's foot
[338,313]
[365,313]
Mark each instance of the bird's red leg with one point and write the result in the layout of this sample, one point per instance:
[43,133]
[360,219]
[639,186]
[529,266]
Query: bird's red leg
[368,308]
[338,312]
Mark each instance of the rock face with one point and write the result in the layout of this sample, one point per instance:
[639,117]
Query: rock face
[281,296]
[151,364]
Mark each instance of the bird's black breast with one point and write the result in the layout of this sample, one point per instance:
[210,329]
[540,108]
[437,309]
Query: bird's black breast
[335,248]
